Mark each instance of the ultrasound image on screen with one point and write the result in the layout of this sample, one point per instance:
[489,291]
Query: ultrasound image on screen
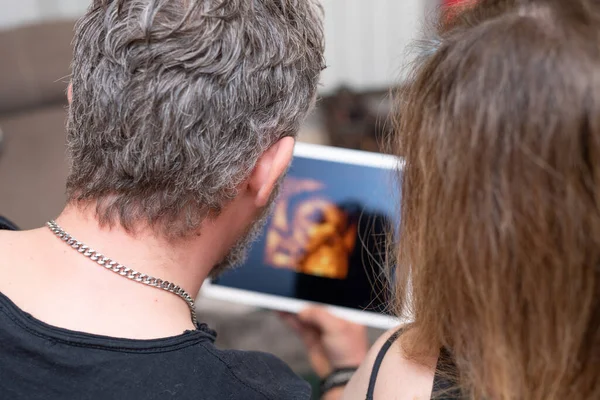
[310,233]
[326,240]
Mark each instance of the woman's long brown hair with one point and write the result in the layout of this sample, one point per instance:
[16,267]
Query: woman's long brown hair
[500,232]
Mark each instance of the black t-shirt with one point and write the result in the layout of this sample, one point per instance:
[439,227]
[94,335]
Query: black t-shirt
[39,361]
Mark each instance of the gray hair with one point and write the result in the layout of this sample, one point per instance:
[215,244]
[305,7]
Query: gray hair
[174,101]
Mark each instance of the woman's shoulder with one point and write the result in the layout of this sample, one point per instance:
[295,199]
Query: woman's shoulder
[398,376]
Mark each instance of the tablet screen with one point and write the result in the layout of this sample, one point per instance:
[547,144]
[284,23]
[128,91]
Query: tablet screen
[326,241]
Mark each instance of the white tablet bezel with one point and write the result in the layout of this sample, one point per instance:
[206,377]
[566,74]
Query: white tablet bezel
[281,303]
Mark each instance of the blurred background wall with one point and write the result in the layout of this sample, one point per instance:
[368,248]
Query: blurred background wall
[366,39]
[18,12]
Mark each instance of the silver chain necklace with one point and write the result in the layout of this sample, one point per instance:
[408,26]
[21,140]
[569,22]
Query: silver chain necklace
[122,270]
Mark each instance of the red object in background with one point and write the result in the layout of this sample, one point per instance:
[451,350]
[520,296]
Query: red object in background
[455,7]
[452,3]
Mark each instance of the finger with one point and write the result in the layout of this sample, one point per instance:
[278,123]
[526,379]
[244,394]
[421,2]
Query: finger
[292,321]
[321,319]
[307,332]
[319,362]
[310,336]
[285,316]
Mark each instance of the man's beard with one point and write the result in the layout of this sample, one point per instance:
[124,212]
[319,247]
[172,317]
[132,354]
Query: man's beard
[239,252]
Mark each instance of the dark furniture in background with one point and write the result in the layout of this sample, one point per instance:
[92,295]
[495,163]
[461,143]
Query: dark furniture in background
[357,120]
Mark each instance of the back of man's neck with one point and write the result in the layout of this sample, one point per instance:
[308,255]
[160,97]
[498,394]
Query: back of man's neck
[185,262]
[74,292]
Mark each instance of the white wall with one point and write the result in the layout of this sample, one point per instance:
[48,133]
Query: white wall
[366,39]
[16,12]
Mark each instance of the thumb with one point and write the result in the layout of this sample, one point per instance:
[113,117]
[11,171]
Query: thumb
[320,318]
[308,333]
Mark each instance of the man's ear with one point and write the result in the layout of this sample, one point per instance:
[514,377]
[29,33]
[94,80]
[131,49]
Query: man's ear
[269,168]
[70,92]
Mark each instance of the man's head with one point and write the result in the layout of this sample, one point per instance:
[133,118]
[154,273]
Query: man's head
[181,108]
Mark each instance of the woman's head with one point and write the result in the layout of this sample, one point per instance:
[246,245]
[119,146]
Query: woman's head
[500,232]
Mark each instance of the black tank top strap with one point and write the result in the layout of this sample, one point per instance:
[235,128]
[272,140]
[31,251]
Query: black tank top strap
[379,360]
[444,388]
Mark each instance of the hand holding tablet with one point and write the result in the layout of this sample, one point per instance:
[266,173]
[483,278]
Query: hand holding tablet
[326,241]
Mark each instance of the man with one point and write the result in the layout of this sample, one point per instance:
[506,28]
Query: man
[182,122]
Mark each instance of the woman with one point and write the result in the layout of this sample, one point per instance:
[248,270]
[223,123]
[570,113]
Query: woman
[500,230]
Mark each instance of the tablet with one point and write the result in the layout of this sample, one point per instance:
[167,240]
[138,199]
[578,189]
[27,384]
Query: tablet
[326,241]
